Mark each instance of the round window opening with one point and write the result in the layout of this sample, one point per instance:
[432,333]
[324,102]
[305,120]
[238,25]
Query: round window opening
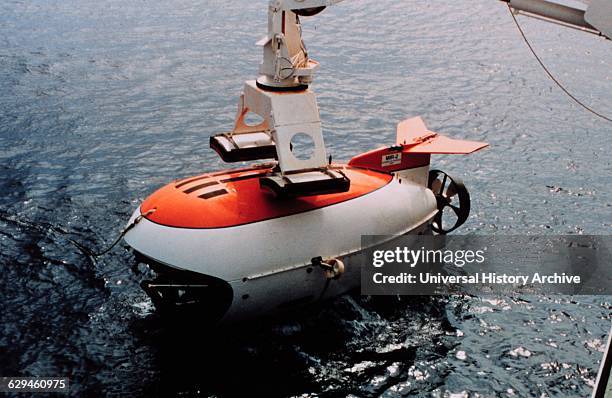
[302,146]
[253,119]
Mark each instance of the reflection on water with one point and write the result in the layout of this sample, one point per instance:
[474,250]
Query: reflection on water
[102,102]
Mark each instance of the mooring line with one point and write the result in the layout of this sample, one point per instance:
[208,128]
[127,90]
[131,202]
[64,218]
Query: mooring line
[566,91]
[45,228]
[121,234]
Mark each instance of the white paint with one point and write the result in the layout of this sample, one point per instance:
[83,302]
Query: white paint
[391,159]
[269,260]
[289,114]
[418,175]
[237,252]
[599,15]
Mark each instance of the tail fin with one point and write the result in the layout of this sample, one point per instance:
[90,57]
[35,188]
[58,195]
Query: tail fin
[410,129]
[414,146]
[414,136]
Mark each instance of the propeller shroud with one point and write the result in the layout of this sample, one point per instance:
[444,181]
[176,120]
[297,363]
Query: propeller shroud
[451,196]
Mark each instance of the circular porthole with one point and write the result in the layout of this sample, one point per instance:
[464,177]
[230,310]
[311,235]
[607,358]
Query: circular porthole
[302,146]
[253,119]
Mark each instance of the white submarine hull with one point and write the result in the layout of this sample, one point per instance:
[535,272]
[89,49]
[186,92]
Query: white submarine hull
[241,272]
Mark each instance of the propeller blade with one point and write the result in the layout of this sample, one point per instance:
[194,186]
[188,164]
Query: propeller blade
[451,190]
[436,185]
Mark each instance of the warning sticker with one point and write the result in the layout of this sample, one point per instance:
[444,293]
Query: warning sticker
[391,159]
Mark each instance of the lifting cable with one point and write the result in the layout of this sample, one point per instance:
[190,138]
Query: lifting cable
[583,105]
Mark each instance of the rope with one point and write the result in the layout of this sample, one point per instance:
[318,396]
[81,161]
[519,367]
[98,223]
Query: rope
[59,231]
[119,237]
[550,74]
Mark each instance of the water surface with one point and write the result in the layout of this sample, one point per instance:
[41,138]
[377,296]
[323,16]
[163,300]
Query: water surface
[103,102]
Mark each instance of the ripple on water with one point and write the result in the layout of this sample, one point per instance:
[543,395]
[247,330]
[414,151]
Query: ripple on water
[106,101]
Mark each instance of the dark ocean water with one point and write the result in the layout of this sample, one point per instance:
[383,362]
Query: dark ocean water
[102,102]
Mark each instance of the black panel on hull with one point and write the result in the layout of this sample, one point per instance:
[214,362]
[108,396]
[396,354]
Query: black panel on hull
[230,151]
[306,183]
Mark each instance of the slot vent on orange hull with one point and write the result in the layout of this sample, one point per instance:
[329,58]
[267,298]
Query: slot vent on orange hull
[213,194]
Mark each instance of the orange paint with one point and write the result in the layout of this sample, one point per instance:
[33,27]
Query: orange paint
[389,160]
[244,202]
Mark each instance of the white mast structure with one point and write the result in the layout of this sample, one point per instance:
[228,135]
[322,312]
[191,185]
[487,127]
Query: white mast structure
[287,107]
[281,97]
